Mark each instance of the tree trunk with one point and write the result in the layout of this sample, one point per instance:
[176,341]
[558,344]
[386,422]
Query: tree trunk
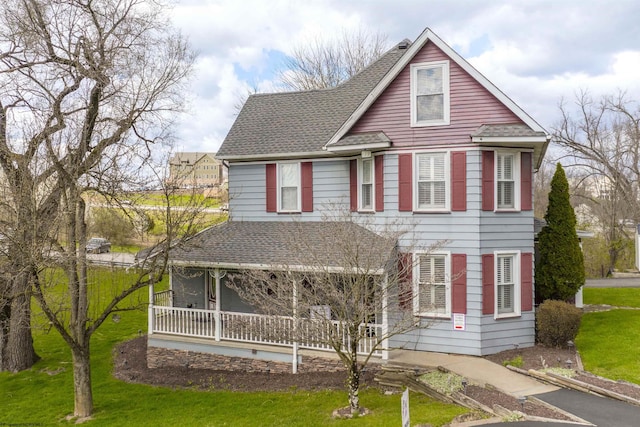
[83,404]
[353,382]
[19,352]
[5,316]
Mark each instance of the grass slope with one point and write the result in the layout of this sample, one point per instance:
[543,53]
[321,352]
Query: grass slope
[43,395]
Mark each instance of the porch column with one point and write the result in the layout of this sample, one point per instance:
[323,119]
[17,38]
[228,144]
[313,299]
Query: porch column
[385,317]
[216,314]
[150,309]
[294,366]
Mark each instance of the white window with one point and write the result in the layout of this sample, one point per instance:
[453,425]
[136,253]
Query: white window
[432,182]
[289,187]
[366,180]
[507,282]
[507,181]
[430,94]
[433,285]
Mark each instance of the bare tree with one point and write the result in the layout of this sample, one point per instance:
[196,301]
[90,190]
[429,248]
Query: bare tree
[87,89]
[326,63]
[339,290]
[602,140]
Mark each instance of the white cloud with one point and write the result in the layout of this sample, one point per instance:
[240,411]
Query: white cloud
[536,51]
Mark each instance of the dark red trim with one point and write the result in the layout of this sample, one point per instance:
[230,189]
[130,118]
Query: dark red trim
[459,283]
[487,180]
[306,182]
[526,177]
[353,185]
[379,176]
[405,172]
[526,285]
[272,187]
[459,181]
[487,284]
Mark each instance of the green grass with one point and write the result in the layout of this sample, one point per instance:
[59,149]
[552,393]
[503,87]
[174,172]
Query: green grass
[609,343]
[618,297]
[43,395]
[151,199]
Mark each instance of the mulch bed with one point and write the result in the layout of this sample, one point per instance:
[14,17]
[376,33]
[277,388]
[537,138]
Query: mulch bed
[130,365]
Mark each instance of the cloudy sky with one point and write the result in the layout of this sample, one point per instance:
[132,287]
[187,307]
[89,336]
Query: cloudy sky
[536,51]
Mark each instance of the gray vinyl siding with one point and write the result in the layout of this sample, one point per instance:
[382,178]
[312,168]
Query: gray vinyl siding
[472,232]
[247,191]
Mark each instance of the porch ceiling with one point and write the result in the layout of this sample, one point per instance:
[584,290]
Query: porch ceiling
[291,245]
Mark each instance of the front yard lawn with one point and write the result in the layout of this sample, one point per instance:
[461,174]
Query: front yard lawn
[43,395]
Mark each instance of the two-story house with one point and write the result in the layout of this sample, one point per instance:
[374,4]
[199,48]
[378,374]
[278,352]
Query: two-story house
[418,135]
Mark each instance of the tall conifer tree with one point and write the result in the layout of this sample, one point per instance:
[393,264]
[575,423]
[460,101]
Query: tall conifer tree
[560,269]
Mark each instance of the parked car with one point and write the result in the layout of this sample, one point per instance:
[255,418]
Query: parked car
[98,245]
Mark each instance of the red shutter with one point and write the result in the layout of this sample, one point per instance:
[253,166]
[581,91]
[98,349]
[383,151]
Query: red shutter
[526,176]
[405,281]
[487,284]
[353,185]
[379,176]
[459,181]
[487,180]
[459,283]
[526,284]
[405,166]
[272,188]
[306,181]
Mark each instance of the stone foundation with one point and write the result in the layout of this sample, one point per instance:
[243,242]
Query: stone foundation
[158,357]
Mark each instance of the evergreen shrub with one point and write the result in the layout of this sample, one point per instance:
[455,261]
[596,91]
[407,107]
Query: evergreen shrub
[557,322]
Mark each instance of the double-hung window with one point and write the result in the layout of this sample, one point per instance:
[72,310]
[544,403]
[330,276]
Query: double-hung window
[507,284]
[432,183]
[430,94]
[507,180]
[289,187]
[433,285]
[366,180]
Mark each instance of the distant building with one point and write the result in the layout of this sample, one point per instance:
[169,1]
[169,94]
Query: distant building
[195,170]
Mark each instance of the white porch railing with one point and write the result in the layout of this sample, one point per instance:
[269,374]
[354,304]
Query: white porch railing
[261,329]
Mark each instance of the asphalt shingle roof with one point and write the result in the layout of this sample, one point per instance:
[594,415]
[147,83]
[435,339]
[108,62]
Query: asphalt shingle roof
[363,139]
[301,122]
[507,130]
[290,244]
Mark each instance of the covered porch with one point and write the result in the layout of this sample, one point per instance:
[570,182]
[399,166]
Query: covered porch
[200,305]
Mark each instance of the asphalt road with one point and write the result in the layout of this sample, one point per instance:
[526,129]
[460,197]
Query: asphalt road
[618,282]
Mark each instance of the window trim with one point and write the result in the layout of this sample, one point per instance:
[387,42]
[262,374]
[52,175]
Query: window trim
[447,183]
[517,284]
[446,92]
[360,192]
[517,181]
[279,188]
[448,285]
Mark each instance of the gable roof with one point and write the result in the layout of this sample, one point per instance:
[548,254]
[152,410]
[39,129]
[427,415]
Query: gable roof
[290,123]
[189,157]
[316,122]
[278,245]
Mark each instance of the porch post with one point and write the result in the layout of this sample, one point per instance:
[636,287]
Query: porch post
[385,317]
[294,366]
[216,314]
[150,309]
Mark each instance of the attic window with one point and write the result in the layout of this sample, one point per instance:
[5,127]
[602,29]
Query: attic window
[430,96]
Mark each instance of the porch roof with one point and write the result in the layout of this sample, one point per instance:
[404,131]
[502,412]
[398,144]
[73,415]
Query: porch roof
[290,245]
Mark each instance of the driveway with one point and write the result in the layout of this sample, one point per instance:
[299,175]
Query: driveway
[600,411]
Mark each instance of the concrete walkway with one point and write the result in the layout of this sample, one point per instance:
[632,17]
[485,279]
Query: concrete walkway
[476,370]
